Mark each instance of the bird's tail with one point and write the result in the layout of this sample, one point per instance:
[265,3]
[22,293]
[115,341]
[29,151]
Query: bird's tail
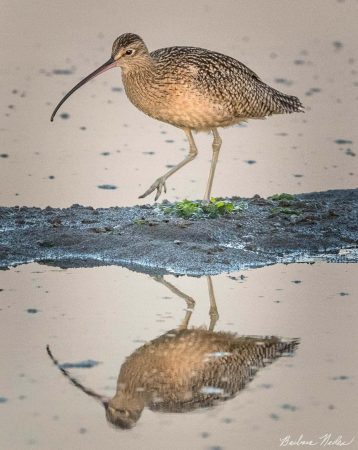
[282,103]
[269,348]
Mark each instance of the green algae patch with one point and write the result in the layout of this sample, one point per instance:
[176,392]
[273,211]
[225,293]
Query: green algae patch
[282,197]
[188,209]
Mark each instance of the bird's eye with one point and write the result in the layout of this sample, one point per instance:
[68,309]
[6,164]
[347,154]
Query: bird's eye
[129,52]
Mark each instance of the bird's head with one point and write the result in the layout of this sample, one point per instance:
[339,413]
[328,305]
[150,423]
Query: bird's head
[128,51]
[124,411]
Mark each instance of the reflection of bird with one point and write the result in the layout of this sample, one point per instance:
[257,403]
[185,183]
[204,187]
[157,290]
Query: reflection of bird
[185,369]
[188,369]
[193,89]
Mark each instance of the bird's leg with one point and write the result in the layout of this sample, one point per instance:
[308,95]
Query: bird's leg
[190,302]
[214,315]
[159,184]
[216,148]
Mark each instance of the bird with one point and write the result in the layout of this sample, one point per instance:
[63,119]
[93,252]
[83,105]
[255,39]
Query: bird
[185,368]
[193,89]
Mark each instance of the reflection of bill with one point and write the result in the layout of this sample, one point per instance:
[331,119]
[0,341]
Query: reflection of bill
[327,440]
[186,369]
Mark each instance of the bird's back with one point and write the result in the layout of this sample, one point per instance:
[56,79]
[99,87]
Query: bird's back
[227,88]
[193,368]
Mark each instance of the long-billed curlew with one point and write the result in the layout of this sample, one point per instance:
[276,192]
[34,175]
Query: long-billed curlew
[185,369]
[193,89]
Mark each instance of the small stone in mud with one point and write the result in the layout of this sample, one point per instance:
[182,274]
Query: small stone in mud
[312,91]
[289,407]
[283,81]
[341,377]
[32,310]
[343,141]
[102,230]
[227,420]
[45,243]
[62,71]
[107,186]
[337,45]
[265,385]
[87,364]
[64,115]
[349,152]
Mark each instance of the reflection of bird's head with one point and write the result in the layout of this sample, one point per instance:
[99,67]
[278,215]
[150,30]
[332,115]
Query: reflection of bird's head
[123,412]
[122,417]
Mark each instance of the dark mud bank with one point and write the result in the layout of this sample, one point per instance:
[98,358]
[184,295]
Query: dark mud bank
[307,227]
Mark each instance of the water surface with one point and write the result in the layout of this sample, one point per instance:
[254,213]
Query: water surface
[102,315]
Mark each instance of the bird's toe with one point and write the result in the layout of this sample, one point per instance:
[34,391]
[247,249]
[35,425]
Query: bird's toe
[158,185]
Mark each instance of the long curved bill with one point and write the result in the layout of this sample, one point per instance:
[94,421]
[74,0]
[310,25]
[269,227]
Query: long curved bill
[107,65]
[101,398]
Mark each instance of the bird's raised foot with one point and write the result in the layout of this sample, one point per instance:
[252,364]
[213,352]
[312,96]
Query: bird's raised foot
[159,185]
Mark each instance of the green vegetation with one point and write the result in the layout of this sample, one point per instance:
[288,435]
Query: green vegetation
[282,197]
[140,221]
[195,209]
[285,202]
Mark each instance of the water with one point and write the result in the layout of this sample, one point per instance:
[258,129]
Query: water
[102,315]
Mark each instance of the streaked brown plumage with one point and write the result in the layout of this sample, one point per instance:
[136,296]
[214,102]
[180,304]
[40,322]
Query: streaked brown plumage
[193,89]
[186,369]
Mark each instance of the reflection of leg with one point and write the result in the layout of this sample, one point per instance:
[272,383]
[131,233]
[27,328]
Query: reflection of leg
[185,322]
[190,302]
[214,315]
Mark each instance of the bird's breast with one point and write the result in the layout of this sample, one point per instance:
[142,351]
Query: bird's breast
[177,102]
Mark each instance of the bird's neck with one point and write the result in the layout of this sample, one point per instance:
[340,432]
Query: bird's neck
[141,65]
[140,82]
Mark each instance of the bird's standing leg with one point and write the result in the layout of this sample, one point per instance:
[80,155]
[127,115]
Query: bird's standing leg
[159,184]
[213,313]
[216,149]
